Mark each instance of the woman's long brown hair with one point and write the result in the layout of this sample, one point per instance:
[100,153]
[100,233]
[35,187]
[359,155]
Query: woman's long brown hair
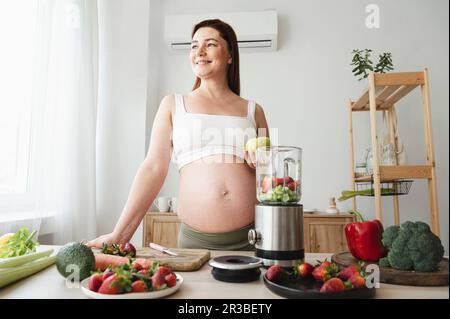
[228,34]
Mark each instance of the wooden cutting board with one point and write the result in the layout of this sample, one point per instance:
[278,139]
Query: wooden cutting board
[401,277]
[187,259]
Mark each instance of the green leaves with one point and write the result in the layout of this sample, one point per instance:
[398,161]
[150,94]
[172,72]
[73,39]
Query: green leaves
[363,64]
[384,63]
[19,244]
[361,61]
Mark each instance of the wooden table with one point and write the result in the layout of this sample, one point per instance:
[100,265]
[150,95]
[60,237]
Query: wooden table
[197,285]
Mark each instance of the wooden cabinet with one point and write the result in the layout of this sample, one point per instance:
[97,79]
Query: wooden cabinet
[323,233]
[161,228]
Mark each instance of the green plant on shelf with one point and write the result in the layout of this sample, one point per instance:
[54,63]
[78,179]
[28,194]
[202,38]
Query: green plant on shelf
[363,64]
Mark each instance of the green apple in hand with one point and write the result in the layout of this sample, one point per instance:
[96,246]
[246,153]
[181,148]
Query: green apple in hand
[254,143]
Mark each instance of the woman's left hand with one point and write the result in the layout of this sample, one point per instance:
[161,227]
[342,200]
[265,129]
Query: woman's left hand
[250,158]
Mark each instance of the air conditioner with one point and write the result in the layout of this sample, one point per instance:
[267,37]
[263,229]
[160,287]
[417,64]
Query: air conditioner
[255,31]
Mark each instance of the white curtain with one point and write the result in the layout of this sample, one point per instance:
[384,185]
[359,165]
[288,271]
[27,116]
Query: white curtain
[64,116]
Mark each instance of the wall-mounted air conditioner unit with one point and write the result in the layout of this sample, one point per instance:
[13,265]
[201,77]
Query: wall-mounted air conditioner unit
[255,31]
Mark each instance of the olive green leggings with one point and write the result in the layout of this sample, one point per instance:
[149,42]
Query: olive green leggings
[233,240]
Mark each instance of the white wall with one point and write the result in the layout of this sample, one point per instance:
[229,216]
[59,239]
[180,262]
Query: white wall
[123,77]
[305,85]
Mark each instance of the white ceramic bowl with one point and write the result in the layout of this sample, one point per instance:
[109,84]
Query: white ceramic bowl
[132,295]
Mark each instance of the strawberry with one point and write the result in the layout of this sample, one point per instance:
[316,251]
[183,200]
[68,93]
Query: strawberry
[158,281]
[95,281]
[292,185]
[357,281]
[333,285]
[265,184]
[325,271]
[127,249]
[138,286]
[171,279]
[349,271]
[288,180]
[109,287]
[137,266]
[108,272]
[164,270]
[276,181]
[275,273]
[305,270]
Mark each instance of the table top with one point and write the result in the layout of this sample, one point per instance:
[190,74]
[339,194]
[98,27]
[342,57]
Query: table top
[197,285]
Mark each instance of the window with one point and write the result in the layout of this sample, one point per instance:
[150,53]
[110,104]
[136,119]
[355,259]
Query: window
[17,23]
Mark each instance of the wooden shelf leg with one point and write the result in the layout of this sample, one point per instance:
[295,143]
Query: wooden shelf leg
[432,189]
[393,140]
[374,137]
[396,211]
[352,152]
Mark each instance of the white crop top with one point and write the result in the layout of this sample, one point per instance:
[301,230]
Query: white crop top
[196,135]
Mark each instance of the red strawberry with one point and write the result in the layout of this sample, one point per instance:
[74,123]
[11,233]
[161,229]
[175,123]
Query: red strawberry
[349,271]
[164,270]
[276,181]
[171,279]
[108,272]
[127,249]
[137,266]
[292,185]
[158,280]
[332,286]
[95,281]
[266,184]
[275,273]
[144,262]
[357,281]
[108,286]
[325,271]
[138,286]
[288,180]
[305,270]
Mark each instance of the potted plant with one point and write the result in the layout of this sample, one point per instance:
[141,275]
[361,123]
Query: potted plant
[363,64]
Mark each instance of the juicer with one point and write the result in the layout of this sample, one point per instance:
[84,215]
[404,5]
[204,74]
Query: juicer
[278,232]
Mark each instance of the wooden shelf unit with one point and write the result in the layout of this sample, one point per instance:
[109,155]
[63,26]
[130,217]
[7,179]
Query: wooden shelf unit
[383,92]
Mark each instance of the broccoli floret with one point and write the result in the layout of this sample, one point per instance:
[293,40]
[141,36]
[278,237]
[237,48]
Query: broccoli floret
[389,235]
[384,262]
[412,246]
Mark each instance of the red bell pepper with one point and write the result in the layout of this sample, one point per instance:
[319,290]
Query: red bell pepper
[364,239]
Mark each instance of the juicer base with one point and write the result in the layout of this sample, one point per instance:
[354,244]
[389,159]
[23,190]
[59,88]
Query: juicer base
[282,263]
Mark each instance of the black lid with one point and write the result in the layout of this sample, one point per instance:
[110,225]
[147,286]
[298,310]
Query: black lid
[236,268]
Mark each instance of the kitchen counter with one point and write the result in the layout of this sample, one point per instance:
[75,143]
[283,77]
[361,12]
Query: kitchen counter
[198,285]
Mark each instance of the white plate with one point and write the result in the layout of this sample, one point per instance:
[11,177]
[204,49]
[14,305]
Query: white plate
[132,295]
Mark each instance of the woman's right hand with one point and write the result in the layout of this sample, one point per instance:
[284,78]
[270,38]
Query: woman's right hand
[98,242]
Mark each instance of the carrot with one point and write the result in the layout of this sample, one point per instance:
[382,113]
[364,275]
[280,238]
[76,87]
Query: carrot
[144,263]
[103,261]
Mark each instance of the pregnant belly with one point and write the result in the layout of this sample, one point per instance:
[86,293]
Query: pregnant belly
[217,197]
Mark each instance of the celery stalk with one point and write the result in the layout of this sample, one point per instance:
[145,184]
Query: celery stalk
[9,275]
[349,194]
[20,260]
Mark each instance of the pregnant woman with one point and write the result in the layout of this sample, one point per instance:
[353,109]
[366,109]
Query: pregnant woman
[206,131]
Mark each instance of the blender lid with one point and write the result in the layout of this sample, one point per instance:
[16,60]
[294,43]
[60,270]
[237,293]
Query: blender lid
[236,269]
[236,262]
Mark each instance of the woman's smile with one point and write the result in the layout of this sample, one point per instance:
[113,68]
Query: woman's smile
[203,62]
